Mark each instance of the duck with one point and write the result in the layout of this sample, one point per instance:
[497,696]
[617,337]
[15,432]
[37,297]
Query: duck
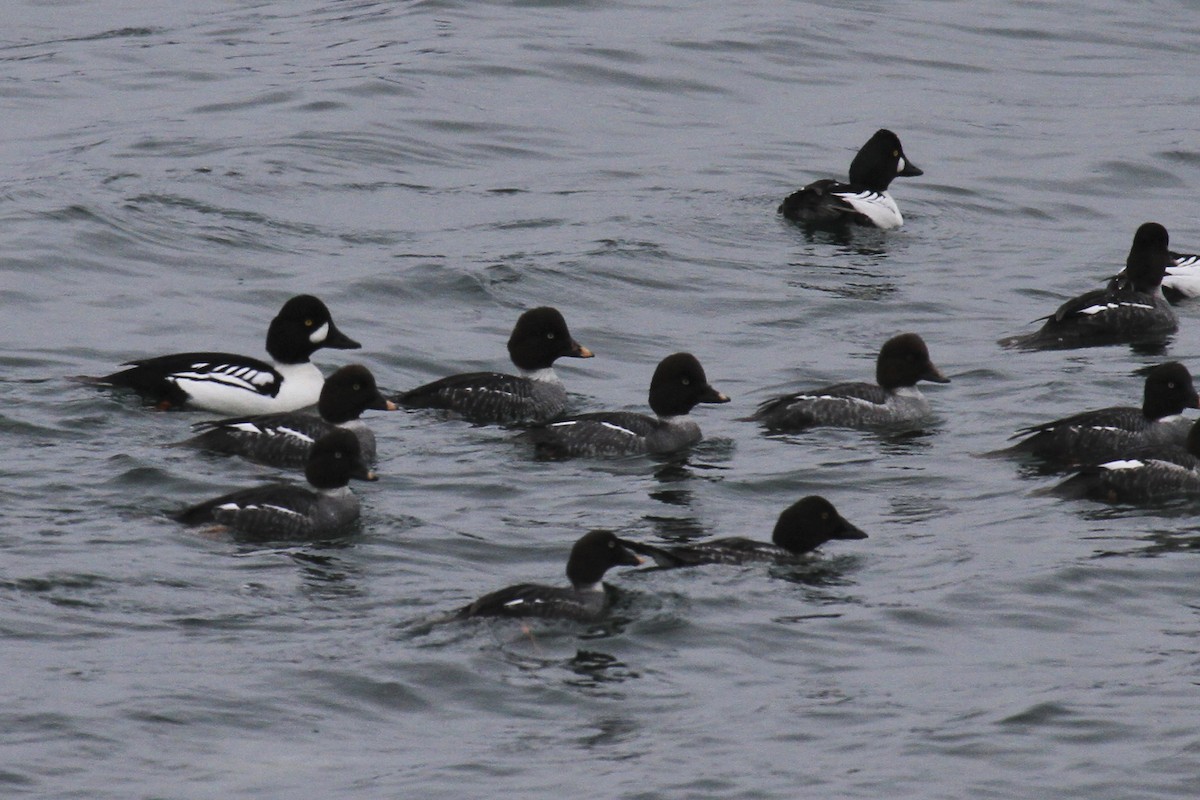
[801,528]
[285,440]
[1106,434]
[1182,281]
[1150,474]
[865,200]
[288,511]
[892,400]
[1131,309]
[677,386]
[537,395]
[224,383]
[587,598]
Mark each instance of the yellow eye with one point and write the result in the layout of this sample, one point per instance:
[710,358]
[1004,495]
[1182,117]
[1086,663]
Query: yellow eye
[357,386]
[895,154]
[308,323]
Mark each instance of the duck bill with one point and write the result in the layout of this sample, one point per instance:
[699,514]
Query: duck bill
[711,395]
[661,557]
[338,340]
[579,351]
[363,473]
[910,170]
[849,531]
[934,375]
[380,403]
[628,557]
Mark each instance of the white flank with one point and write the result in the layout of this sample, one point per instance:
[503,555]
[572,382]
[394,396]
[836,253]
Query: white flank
[301,386]
[225,393]
[1186,281]
[879,207]
[221,378]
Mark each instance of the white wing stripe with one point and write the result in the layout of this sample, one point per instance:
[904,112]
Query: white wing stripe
[257,382]
[302,436]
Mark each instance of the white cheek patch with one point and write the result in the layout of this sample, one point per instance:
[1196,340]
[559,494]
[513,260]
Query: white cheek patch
[900,165]
[320,334]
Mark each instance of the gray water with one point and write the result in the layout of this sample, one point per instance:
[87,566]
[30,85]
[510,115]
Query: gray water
[170,173]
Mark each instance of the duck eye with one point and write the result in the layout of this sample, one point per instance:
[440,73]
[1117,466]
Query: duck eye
[824,515]
[1170,384]
[895,154]
[686,381]
[549,334]
[308,323]
[357,386]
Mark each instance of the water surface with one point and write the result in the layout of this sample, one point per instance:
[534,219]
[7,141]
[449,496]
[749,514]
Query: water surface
[172,174]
